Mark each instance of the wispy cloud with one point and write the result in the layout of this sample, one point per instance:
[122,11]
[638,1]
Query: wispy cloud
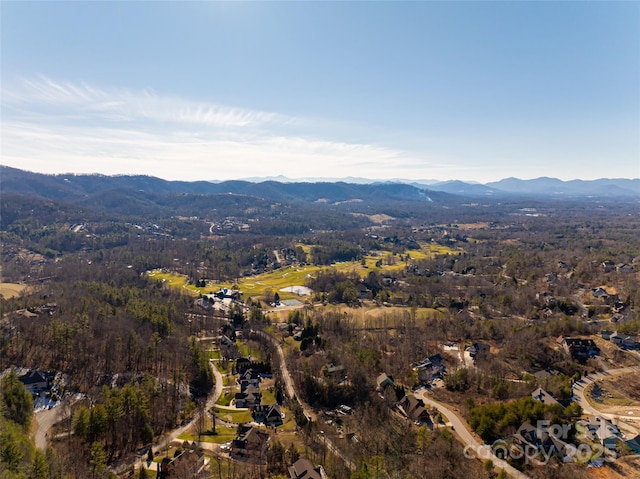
[57,127]
[126,105]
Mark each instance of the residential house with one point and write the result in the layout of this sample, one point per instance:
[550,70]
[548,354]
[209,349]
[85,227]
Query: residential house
[634,444]
[268,414]
[540,440]
[623,341]
[606,334]
[337,373]
[249,378]
[604,431]
[619,305]
[625,268]
[413,408]
[232,294]
[249,398]
[580,349]
[251,444]
[600,293]
[528,435]
[384,381]
[564,451]
[187,464]
[228,348]
[629,343]
[544,397]
[616,338]
[430,367]
[344,410]
[608,266]
[305,469]
[35,381]
[478,349]
[546,297]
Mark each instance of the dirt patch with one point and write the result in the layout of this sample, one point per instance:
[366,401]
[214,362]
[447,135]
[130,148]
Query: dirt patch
[11,290]
[624,468]
[629,385]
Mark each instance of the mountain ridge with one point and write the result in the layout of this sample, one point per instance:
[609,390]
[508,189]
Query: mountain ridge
[75,187]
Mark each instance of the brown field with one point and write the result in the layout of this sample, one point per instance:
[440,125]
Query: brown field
[473,226]
[11,290]
[624,390]
[380,218]
[625,468]
[368,315]
[629,385]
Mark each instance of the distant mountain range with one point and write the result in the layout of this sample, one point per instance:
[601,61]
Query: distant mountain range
[93,190]
[90,188]
[544,186]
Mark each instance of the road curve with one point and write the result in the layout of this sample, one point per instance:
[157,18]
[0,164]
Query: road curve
[580,386]
[460,427]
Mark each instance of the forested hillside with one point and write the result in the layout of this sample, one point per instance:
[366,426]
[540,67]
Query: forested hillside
[133,302]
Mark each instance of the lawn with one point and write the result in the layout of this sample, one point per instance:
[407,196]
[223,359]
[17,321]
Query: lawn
[268,397]
[222,369]
[225,399]
[236,417]
[246,351]
[223,434]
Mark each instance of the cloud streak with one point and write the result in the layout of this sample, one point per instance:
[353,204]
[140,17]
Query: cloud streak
[61,127]
[90,102]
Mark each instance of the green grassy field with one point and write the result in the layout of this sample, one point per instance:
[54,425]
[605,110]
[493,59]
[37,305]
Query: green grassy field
[268,397]
[255,286]
[225,399]
[236,417]
[246,351]
[223,434]
[173,279]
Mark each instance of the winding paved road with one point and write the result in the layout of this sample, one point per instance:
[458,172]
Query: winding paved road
[479,449]
[580,386]
[291,393]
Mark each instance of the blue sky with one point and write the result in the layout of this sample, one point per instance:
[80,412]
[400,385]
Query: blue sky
[476,91]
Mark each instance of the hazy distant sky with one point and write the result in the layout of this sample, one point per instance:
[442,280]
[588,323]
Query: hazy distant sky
[420,90]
